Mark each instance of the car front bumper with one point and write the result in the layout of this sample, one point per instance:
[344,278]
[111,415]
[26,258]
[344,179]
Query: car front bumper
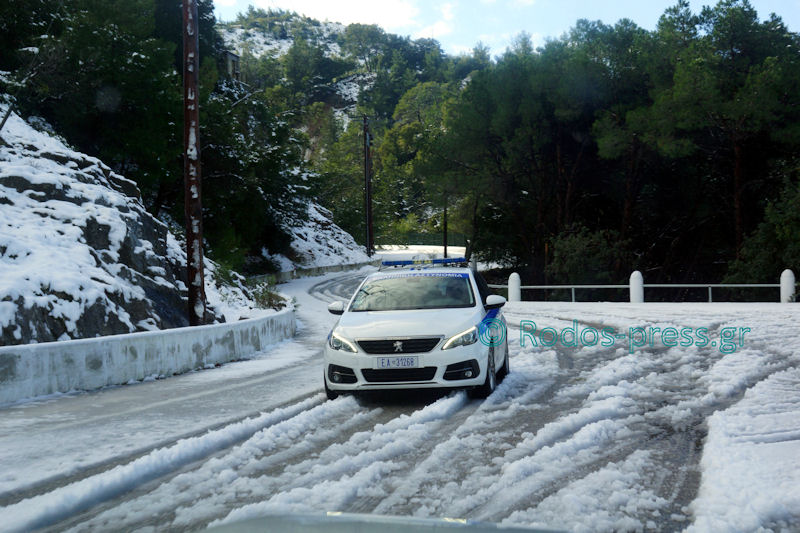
[347,371]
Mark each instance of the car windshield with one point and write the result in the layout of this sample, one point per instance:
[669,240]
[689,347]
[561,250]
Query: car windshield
[414,291]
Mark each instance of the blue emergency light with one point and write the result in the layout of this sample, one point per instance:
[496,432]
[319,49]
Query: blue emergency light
[410,262]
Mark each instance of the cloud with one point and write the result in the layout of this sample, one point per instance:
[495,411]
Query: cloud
[435,30]
[448,11]
[441,27]
[388,14]
[497,42]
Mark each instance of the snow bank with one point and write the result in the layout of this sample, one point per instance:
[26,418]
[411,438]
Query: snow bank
[38,369]
[751,460]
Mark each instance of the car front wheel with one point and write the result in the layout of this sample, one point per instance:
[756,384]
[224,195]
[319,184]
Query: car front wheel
[491,379]
[506,368]
[331,394]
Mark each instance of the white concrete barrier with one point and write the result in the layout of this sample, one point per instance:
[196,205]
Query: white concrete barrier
[37,369]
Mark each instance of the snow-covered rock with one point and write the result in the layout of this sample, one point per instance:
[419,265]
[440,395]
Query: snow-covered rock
[346,92]
[318,242]
[79,254]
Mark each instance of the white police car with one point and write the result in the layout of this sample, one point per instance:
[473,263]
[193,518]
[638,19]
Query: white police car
[418,325]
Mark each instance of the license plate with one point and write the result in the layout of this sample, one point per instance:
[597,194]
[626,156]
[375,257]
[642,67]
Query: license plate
[396,362]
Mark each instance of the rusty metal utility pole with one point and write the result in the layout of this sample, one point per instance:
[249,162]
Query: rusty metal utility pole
[444,236]
[370,243]
[191,165]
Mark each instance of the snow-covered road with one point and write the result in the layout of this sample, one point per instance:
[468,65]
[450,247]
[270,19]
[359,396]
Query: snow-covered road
[578,437]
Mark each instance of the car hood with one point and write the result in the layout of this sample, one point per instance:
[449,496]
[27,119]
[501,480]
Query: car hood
[411,323]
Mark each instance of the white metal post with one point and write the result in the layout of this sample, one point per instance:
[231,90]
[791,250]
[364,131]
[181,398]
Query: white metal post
[514,288]
[637,287]
[787,286]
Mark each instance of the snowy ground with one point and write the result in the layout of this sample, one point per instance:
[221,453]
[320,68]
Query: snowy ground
[578,437]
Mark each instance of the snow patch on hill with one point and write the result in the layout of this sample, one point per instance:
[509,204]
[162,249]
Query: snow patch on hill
[319,242]
[261,42]
[347,90]
[256,42]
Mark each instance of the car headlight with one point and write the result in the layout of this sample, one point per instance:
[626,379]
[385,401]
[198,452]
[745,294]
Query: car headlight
[337,342]
[465,338]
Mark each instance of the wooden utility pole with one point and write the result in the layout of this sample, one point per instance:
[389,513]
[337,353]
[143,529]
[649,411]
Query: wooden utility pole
[193,208]
[370,241]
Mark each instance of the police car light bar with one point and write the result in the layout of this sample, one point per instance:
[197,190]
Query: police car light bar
[410,262]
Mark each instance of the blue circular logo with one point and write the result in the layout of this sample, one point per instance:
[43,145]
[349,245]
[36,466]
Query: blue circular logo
[492,332]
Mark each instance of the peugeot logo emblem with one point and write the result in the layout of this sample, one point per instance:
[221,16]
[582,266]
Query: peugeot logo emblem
[398,346]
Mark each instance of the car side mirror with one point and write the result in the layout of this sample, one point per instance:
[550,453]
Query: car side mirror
[493,301]
[337,308]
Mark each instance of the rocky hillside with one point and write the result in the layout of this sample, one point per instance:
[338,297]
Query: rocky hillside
[276,38]
[79,255]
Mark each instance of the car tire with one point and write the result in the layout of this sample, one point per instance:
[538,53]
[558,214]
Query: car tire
[491,379]
[331,394]
[506,368]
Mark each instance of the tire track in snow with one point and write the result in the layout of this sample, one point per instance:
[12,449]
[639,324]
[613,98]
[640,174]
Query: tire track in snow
[467,462]
[339,288]
[207,489]
[329,444]
[354,469]
[595,434]
[466,455]
[46,509]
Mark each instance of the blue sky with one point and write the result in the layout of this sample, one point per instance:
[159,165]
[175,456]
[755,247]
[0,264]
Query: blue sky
[460,24]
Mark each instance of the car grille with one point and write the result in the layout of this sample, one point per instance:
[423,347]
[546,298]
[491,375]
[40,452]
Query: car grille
[387,346]
[399,374]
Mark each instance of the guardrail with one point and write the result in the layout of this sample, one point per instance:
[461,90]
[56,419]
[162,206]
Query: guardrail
[636,287]
[30,370]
